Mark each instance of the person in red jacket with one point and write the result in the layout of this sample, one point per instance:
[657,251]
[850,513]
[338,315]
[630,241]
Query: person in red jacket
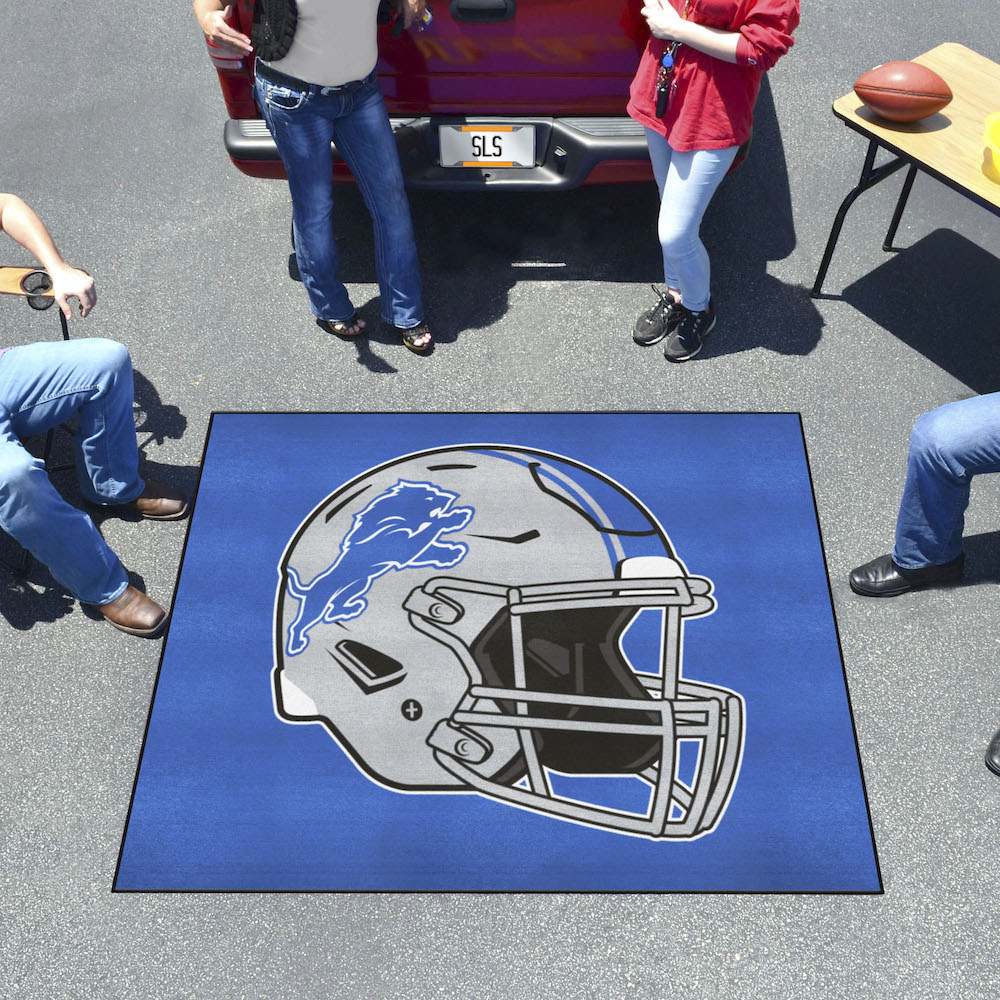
[694,92]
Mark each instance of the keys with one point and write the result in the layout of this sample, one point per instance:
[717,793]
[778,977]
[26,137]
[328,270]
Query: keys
[661,101]
[663,80]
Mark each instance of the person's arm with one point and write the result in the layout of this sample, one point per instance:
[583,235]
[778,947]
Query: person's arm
[211,15]
[664,22]
[21,224]
[761,41]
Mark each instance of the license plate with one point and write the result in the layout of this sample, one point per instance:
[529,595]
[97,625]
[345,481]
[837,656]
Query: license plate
[487,145]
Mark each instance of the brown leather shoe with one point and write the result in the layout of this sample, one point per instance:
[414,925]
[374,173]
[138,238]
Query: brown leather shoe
[135,613]
[158,502]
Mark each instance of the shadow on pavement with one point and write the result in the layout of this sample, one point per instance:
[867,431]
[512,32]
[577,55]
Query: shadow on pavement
[474,247]
[982,557]
[748,224]
[375,330]
[153,417]
[25,601]
[28,598]
[942,297]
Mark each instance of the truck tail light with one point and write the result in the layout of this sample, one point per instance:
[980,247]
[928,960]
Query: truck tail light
[223,60]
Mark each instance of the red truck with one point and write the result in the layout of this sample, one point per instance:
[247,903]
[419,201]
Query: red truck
[517,94]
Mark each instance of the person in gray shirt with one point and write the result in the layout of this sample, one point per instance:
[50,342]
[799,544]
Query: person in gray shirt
[315,83]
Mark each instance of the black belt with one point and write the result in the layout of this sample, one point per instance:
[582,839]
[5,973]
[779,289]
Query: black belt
[265,72]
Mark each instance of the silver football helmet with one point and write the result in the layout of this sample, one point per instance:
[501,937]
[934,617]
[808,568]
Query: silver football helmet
[470,619]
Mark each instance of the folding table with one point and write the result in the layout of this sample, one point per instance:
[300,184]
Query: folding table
[948,145]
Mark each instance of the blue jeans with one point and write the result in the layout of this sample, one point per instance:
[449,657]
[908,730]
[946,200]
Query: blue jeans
[42,385]
[948,447]
[303,123]
[687,182]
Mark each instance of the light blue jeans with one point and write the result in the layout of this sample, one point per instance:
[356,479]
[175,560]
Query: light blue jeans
[42,385]
[948,447]
[687,182]
[303,122]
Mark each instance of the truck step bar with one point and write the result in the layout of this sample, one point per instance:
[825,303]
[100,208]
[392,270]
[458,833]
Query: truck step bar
[566,150]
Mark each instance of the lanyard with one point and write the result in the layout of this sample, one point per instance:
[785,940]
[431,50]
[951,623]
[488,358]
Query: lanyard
[666,71]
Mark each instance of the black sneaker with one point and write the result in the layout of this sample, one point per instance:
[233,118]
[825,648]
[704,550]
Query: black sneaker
[654,324]
[688,337]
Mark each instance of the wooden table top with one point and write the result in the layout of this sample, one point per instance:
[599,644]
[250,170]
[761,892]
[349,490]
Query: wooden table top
[949,143]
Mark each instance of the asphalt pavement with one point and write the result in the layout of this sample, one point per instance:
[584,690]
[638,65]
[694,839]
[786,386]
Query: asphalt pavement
[112,130]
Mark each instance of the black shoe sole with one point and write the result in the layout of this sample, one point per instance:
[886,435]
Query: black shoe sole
[881,593]
[647,343]
[688,357]
[937,584]
[992,767]
[121,510]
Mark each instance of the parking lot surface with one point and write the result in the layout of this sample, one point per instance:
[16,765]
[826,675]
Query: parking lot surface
[112,131]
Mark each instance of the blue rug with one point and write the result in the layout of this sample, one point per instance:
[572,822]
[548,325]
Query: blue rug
[501,652]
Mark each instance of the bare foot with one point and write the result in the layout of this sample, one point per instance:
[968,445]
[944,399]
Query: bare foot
[351,327]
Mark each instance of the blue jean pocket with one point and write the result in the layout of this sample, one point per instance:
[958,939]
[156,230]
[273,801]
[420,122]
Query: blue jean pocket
[284,98]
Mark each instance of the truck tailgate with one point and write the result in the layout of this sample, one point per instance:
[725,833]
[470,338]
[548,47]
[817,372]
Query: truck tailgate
[552,57]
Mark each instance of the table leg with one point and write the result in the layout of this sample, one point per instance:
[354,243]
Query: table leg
[870,176]
[900,205]
[50,436]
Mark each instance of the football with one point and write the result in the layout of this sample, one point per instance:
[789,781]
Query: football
[903,91]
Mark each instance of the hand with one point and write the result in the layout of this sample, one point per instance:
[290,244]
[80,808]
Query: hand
[72,283]
[222,35]
[664,22]
[410,10]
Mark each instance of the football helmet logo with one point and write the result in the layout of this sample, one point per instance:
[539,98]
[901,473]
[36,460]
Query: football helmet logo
[550,657]
[399,528]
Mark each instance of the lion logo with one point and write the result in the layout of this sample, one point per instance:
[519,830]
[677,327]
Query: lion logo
[398,530]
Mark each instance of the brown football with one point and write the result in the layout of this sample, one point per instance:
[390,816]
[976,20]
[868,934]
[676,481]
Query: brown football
[903,91]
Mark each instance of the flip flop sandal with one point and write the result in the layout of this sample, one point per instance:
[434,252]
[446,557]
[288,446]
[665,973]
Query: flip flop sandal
[412,333]
[342,327]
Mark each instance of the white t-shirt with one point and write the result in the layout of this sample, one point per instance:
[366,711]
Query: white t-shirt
[334,42]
